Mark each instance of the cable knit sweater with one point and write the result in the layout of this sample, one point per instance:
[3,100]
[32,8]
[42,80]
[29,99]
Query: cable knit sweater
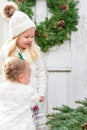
[16,101]
[38,73]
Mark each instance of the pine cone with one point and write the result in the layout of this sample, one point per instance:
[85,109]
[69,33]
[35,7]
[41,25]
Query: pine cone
[61,23]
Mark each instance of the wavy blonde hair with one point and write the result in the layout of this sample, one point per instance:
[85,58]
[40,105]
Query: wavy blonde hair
[12,46]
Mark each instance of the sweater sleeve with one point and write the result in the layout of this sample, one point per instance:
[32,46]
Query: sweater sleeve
[33,97]
[41,75]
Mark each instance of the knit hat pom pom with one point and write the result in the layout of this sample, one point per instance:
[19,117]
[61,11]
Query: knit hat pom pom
[9,9]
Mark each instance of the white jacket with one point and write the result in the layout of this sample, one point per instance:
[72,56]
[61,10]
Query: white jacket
[38,73]
[16,101]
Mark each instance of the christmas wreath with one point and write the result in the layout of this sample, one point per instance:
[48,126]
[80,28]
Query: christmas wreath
[57,29]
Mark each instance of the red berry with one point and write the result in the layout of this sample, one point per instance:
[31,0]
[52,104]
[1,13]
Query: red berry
[36,33]
[20,0]
[63,7]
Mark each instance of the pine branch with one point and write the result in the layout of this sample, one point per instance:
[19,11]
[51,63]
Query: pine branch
[64,109]
[83,102]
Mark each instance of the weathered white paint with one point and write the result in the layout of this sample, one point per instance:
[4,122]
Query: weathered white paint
[58,89]
[59,61]
[3,25]
[66,64]
[41,10]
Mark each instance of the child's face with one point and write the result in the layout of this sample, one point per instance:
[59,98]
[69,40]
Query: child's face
[24,78]
[25,40]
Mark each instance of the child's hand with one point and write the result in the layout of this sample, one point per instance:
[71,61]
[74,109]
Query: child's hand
[41,99]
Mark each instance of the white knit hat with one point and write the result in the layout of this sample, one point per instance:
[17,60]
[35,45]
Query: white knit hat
[18,21]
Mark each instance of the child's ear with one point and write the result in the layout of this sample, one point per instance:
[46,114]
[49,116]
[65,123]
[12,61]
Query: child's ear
[20,76]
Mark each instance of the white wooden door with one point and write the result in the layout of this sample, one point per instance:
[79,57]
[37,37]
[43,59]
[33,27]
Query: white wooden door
[66,64]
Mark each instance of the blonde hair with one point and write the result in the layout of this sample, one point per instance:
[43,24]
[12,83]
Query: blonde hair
[13,46]
[14,67]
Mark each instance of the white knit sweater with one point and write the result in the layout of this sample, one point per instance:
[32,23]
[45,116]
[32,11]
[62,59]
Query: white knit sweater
[38,73]
[16,101]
